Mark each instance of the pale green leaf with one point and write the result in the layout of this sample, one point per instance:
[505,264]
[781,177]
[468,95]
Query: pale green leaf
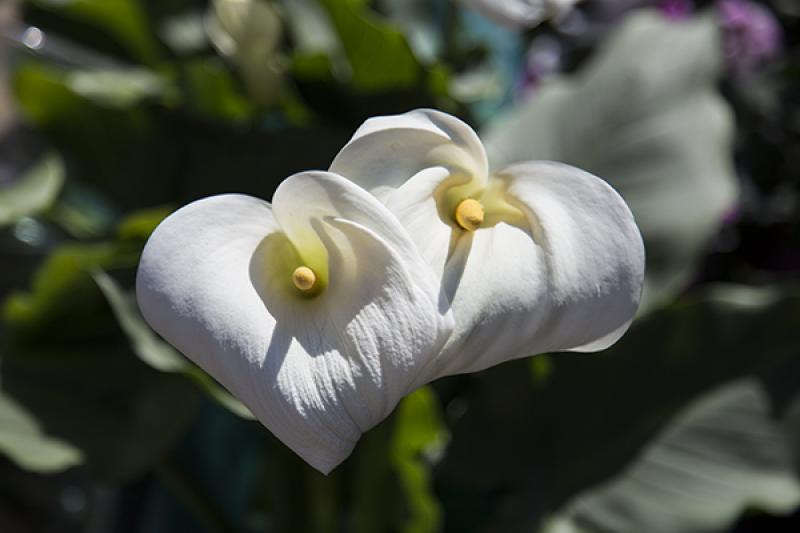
[123,19]
[32,192]
[645,115]
[379,55]
[22,441]
[119,88]
[722,456]
[154,351]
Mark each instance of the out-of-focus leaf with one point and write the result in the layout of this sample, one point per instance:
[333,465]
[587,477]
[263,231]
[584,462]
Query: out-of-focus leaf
[32,192]
[116,151]
[311,29]
[478,84]
[146,345]
[83,212]
[379,55]
[249,32]
[140,224]
[154,351]
[419,436]
[66,361]
[185,33]
[123,19]
[211,91]
[317,52]
[122,415]
[63,296]
[593,413]
[645,115]
[116,88]
[22,440]
[421,21]
[724,454]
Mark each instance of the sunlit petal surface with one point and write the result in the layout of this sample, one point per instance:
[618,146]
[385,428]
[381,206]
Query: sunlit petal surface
[317,368]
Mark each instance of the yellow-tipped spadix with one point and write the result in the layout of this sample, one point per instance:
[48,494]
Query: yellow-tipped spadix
[304,278]
[469,214]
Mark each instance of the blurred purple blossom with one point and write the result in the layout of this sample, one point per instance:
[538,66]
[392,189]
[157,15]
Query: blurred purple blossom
[732,216]
[751,34]
[676,9]
[543,59]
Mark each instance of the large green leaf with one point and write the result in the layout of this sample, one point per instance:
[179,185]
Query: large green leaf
[112,148]
[122,415]
[724,454]
[22,441]
[63,300]
[590,414]
[210,90]
[65,360]
[379,55]
[32,192]
[645,115]
[123,19]
[154,351]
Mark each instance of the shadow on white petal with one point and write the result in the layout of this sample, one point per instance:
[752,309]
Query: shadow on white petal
[344,357]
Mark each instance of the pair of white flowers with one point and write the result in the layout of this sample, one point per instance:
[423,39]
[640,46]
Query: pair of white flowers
[407,261]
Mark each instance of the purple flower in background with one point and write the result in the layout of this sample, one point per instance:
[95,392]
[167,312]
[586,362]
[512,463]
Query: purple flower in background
[751,34]
[676,9]
[543,59]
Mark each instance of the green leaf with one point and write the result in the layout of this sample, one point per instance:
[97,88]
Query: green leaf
[120,88]
[419,437]
[422,24]
[591,414]
[122,415]
[66,361]
[106,145]
[32,192]
[210,90]
[146,345]
[311,29]
[723,455]
[123,19]
[22,441]
[63,297]
[379,55]
[154,351]
[645,115]
[140,224]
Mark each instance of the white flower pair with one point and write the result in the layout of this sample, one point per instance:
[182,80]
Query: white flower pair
[406,262]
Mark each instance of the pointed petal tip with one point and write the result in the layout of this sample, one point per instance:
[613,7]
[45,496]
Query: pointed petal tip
[323,457]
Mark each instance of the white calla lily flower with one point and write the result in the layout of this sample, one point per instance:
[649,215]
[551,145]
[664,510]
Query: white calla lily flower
[317,311]
[537,257]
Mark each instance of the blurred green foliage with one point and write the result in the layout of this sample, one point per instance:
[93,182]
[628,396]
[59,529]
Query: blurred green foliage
[723,454]
[33,191]
[139,106]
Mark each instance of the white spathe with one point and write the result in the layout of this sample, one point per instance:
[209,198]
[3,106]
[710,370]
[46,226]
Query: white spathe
[521,13]
[557,265]
[215,280]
